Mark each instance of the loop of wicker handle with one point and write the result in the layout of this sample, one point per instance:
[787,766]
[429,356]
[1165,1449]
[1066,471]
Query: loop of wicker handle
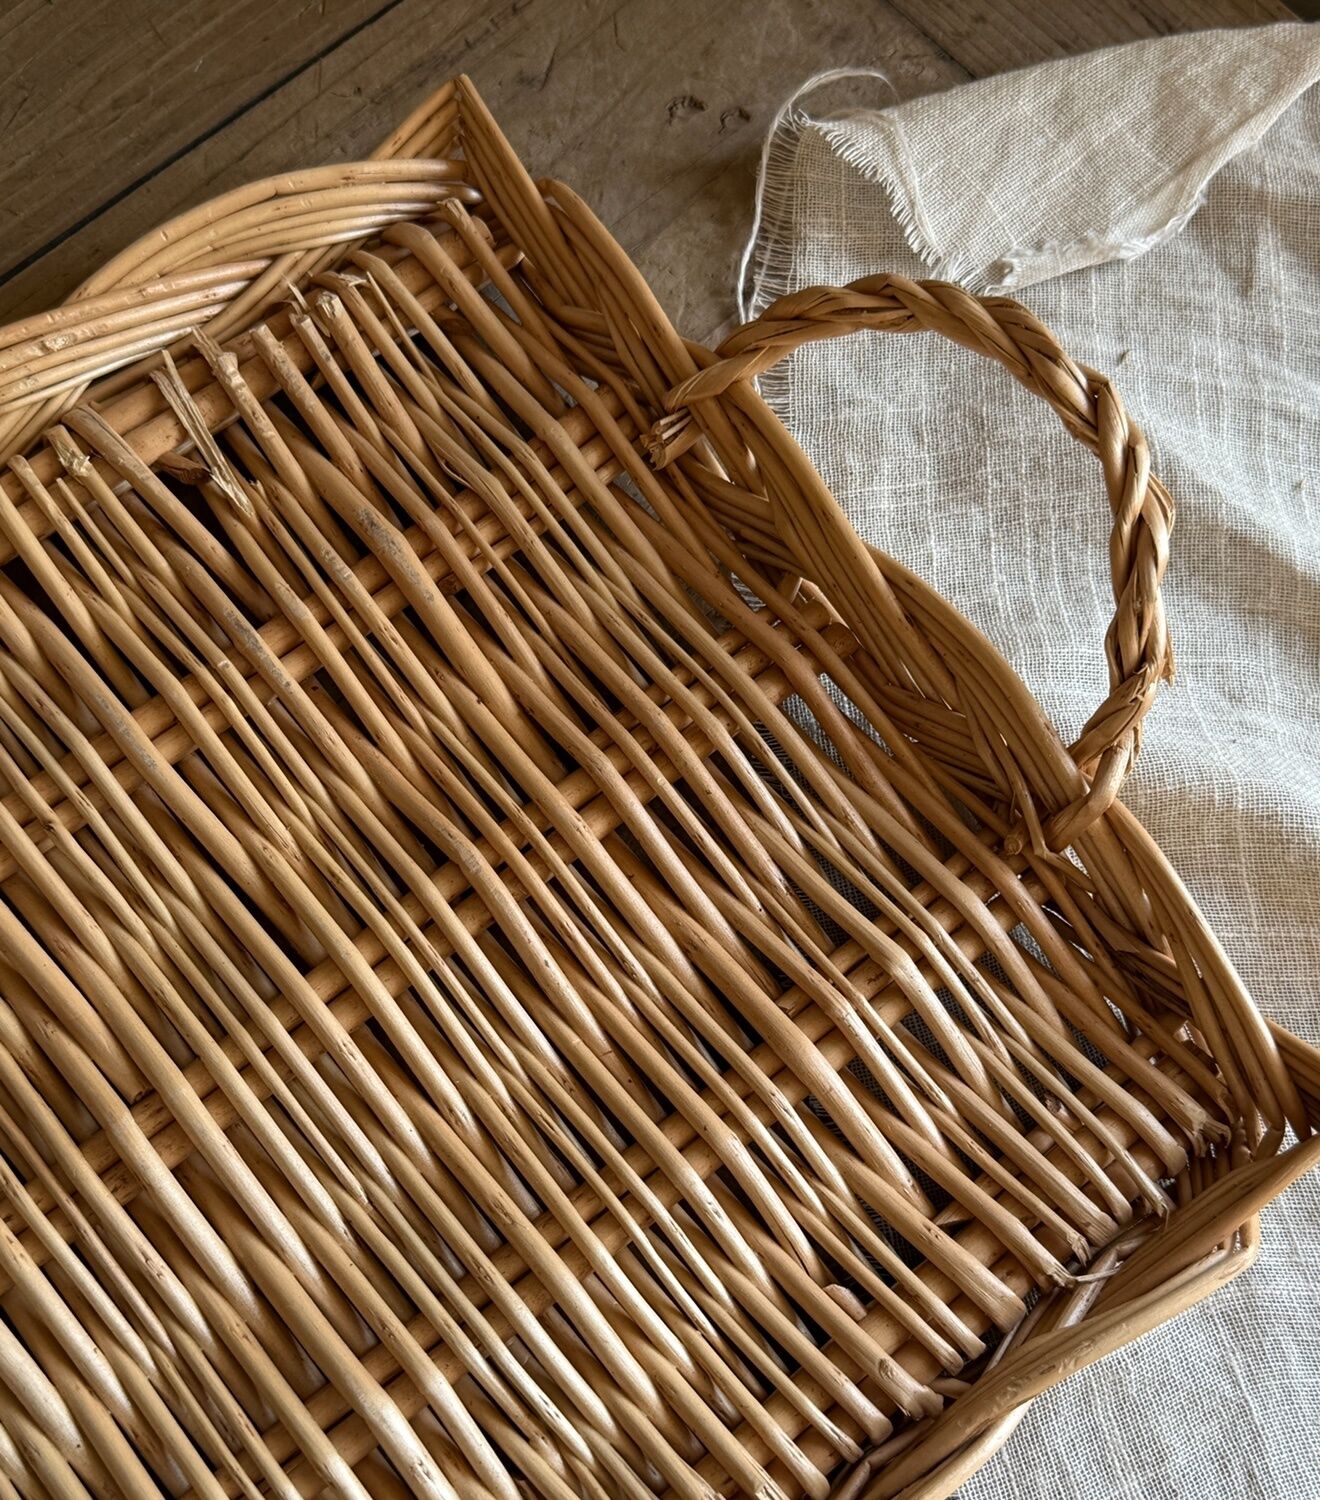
[1137,645]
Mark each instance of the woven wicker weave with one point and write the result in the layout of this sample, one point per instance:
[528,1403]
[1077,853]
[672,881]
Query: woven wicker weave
[533,962]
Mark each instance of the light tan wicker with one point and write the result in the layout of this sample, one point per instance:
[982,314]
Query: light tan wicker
[533,962]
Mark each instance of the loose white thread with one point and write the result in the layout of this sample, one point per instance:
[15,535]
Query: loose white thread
[773,177]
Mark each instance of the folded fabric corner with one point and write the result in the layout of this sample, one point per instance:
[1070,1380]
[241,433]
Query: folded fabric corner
[1010,180]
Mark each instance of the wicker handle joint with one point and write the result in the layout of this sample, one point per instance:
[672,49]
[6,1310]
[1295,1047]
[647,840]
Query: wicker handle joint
[1137,647]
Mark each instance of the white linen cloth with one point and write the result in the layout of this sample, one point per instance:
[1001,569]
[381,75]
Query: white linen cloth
[1158,205]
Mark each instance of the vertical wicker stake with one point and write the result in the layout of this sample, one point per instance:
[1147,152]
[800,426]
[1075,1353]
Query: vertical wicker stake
[531,961]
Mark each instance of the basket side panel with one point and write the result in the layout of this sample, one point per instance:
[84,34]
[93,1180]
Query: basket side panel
[503,985]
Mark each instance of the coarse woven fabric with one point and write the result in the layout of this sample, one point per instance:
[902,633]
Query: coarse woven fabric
[1161,203]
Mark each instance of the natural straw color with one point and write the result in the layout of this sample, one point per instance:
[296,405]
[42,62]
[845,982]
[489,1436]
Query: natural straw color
[533,963]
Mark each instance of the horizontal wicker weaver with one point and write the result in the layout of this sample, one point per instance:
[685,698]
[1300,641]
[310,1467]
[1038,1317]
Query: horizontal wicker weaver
[531,961]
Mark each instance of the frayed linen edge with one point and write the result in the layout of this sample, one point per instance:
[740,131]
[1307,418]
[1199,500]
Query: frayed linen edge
[898,182]
[1020,266]
[888,165]
[765,268]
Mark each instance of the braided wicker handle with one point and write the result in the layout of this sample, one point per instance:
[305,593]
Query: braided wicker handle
[1137,643]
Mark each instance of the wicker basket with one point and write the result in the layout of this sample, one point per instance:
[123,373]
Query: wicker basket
[533,962]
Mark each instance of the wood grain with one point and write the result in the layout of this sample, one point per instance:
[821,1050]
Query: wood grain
[986,38]
[654,113]
[100,94]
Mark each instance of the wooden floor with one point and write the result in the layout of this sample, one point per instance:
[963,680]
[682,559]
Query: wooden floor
[117,114]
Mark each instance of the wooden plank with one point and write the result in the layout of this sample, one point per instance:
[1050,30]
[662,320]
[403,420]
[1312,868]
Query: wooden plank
[654,112]
[122,114]
[992,36]
[98,94]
